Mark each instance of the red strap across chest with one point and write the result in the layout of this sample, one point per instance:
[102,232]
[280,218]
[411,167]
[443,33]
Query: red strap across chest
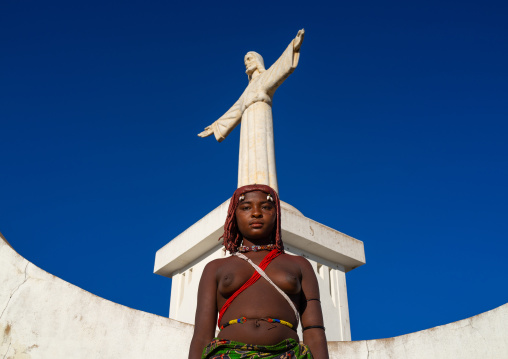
[264,263]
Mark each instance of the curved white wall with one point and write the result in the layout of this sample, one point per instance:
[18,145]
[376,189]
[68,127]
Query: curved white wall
[482,336]
[42,316]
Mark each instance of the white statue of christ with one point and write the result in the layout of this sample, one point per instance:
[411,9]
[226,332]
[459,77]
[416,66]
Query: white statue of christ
[254,109]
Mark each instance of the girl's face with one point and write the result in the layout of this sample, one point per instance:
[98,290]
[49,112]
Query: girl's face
[256,216]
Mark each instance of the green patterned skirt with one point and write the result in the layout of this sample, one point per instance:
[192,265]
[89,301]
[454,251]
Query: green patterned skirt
[227,349]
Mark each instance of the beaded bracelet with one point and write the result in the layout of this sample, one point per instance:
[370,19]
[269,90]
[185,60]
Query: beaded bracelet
[308,300]
[313,326]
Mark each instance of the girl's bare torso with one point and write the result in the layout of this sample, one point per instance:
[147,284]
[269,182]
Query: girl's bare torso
[261,300]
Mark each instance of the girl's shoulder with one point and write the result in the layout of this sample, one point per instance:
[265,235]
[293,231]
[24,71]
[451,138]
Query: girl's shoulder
[216,264]
[295,259]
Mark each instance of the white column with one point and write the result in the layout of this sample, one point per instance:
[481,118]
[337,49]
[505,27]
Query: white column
[256,163]
[338,280]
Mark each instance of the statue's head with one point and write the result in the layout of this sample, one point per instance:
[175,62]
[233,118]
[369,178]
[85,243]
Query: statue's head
[253,61]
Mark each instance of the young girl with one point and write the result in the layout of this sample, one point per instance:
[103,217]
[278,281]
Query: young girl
[259,293]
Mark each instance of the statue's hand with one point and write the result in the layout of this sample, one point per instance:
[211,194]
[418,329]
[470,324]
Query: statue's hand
[298,40]
[207,132]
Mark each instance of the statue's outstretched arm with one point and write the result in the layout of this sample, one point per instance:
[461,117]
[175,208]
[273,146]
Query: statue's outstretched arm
[225,124]
[298,40]
[207,132]
[284,65]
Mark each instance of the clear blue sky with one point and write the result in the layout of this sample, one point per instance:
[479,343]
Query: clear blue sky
[393,130]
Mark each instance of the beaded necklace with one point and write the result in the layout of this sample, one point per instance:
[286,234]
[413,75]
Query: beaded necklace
[245,249]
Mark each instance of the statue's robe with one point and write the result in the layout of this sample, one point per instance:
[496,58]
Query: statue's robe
[254,109]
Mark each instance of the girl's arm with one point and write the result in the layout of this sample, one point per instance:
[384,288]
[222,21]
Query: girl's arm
[311,314]
[206,311]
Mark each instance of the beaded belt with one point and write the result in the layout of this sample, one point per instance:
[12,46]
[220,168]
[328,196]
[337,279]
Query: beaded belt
[269,320]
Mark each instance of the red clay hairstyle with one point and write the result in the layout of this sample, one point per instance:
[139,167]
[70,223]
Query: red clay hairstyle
[232,237]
